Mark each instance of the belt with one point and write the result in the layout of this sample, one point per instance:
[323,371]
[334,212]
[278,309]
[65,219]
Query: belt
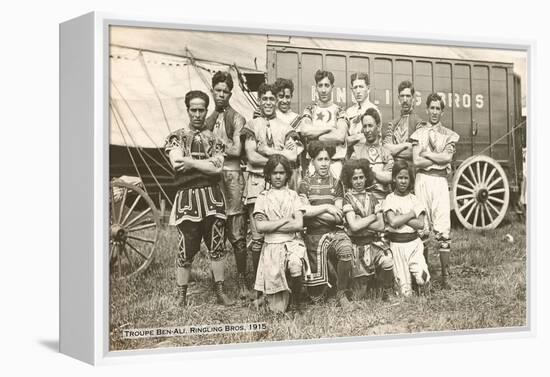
[402,237]
[434,172]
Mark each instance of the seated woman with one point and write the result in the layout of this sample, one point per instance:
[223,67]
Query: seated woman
[364,220]
[278,215]
[405,216]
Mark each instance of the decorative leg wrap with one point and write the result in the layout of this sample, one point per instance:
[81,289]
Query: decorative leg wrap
[239,249]
[297,302]
[243,290]
[255,250]
[221,297]
[181,298]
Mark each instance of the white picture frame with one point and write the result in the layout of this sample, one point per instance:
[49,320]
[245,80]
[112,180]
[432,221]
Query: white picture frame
[84,178]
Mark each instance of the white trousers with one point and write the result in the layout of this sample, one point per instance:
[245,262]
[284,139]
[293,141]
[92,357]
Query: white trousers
[433,193]
[408,259]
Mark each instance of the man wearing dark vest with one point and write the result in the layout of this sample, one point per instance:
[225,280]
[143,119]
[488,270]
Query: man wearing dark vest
[226,125]
[396,139]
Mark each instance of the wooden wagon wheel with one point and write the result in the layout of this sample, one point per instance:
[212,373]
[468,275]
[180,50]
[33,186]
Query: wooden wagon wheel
[135,229]
[480,193]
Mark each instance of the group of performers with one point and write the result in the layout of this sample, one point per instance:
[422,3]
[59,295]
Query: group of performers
[333,205]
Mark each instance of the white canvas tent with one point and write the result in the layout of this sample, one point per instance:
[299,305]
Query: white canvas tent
[148,91]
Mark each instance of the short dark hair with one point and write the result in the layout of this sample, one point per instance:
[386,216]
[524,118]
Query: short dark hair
[264,88]
[349,168]
[271,164]
[320,74]
[435,97]
[225,77]
[282,84]
[196,94]
[373,113]
[315,147]
[404,85]
[399,165]
[360,76]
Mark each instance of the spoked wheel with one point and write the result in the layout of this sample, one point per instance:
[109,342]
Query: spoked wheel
[135,229]
[480,193]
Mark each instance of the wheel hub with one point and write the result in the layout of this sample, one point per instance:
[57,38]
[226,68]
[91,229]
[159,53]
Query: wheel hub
[118,234]
[482,195]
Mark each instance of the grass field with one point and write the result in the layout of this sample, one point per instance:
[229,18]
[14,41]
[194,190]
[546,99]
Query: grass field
[489,291]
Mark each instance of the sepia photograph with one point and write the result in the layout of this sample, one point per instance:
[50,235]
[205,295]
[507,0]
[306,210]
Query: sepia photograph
[274,188]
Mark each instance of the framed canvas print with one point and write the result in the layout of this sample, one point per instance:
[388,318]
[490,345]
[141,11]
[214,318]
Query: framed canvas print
[224,188]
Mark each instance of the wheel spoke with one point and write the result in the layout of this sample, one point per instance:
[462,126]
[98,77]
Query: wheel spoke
[129,260]
[468,203]
[472,175]
[465,188]
[141,227]
[496,200]
[465,196]
[482,210]
[121,208]
[478,172]
[484,174]
[493,171]
[136,250]
[467,217]
[491,205]
[468,180]
[113,213]
[496,181]
[497,191]
[141,239]
[139,216]
[476,214]
[131,209]
[488,211]
[119,260]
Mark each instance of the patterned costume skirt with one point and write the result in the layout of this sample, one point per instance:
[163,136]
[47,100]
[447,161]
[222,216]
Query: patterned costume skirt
[195,204]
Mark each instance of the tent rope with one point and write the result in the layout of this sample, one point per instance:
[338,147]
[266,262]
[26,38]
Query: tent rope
[502,137]
[148,73]
[145,161]
[127,147]
[138,122]
[177,56]
[203,79]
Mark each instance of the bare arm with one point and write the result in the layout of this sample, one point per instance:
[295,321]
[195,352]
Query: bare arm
[235,149]
[417,223]
[383,176]
[263,225]
[252,154]
[441,158]
[397,221]
[378,225]
[337,135]
[295,225]
[418,161]
[176,158]
[290,152]
[357,223]
[308,130]
[403,150]
[314,211]
[212,166]
[354,139]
